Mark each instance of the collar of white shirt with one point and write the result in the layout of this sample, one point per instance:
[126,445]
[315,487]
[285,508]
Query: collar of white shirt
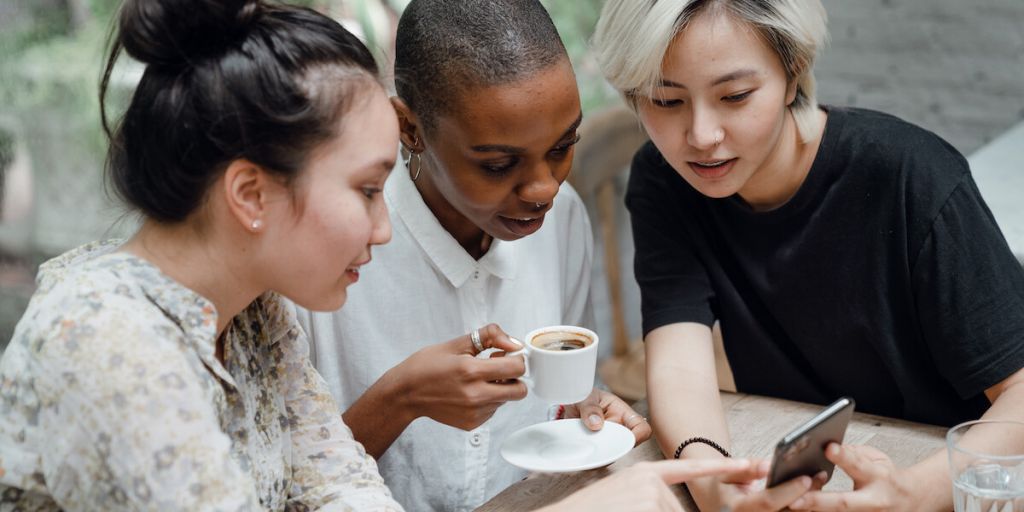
[440,246]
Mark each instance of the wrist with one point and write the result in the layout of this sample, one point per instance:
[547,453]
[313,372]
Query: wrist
[708,493]
[922,487]
[394,397]
[692,442]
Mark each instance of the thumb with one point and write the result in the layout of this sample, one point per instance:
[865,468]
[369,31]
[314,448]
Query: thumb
[591,411]
[505,343]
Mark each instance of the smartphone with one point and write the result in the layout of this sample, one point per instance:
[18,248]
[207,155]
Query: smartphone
[802,451]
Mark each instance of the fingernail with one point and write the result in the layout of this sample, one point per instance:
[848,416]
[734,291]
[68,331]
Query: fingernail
[797,504]
[594,419]
[764,466]
[806,481]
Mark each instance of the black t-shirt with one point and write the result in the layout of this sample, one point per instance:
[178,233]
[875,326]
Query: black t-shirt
[884,278]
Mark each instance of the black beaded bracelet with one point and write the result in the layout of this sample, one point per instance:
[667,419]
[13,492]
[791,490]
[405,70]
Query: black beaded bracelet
[702,440]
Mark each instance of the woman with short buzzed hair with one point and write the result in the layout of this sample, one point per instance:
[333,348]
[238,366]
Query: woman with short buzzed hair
[487,238]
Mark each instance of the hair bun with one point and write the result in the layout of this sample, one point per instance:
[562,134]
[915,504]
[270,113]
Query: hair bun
[173,32]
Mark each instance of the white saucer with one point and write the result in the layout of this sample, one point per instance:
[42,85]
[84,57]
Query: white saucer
[566,445]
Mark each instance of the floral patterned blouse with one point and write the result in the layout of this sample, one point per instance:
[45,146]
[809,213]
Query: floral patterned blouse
[111,398]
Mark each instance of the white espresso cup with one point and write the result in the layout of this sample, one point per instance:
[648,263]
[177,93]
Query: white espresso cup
[560,362]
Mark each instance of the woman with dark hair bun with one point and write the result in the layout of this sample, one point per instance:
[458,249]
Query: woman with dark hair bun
[166,372]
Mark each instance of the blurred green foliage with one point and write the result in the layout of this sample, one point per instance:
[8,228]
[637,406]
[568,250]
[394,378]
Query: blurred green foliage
[51,54]
[48,57]
[575,21]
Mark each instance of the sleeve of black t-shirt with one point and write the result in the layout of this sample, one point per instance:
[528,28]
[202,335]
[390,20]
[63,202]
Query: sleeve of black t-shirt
[674,286]
[969,291]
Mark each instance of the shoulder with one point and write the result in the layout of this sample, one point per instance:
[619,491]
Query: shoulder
[890,143]
[895,159]
[96,320]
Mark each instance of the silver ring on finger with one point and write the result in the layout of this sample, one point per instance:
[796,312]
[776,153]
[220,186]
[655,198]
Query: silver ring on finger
[475,338]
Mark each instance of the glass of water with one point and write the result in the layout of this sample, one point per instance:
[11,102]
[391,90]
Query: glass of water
[986,459]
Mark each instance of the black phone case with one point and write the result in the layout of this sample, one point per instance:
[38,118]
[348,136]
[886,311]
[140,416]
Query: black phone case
[802,451]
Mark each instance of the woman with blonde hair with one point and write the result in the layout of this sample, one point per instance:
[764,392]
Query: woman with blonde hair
[843,251]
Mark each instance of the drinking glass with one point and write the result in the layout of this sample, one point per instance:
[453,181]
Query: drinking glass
[986,461]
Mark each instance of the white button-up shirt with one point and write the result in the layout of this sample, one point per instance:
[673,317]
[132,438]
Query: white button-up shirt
[424,288]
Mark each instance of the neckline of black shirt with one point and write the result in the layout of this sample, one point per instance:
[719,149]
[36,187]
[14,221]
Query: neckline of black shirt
[810,190]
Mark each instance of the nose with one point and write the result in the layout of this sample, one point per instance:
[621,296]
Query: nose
[705,130]
[542,182]
[381,233]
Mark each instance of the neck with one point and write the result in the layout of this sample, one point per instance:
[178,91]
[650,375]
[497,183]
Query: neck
[203,263]
[785,169]
[473,239]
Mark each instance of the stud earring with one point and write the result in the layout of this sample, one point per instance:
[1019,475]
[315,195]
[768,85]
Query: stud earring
[256,225]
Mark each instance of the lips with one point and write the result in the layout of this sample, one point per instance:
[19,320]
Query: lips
[522,226]
[712,169]
[352,273]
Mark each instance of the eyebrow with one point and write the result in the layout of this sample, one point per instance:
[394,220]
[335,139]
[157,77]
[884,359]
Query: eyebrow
[383,166]
[515,150]
[728,77]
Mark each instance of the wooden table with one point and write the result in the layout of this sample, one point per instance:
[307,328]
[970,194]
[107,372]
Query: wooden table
[756,424]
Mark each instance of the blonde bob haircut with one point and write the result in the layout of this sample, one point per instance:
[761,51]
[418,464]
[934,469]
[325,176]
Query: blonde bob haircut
[633,36]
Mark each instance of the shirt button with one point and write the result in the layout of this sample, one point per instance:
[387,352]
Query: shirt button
[476,274]
[475,439]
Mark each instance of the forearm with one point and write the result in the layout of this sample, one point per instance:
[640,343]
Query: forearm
[934,472]
[684,398]
[380,415]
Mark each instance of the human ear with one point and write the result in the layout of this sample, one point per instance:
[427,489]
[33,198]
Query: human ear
[791,89]
[408,126]
[245,191]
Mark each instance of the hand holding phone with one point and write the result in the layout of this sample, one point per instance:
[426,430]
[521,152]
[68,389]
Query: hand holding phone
[802,451]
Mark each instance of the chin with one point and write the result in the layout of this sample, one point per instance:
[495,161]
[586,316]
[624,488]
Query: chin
[327,304]
[716,192]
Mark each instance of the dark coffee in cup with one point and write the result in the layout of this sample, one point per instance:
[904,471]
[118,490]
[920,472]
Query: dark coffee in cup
[560,341]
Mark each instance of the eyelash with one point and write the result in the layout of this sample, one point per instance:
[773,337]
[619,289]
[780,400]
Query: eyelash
[563,149]
[557,152]
[371,192]
[500,170]
[735,98]
[666,103]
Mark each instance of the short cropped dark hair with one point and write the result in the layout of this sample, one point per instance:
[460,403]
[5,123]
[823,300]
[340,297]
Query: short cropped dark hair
[444,47]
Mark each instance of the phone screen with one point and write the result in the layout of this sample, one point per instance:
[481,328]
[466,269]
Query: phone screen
[802,451]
